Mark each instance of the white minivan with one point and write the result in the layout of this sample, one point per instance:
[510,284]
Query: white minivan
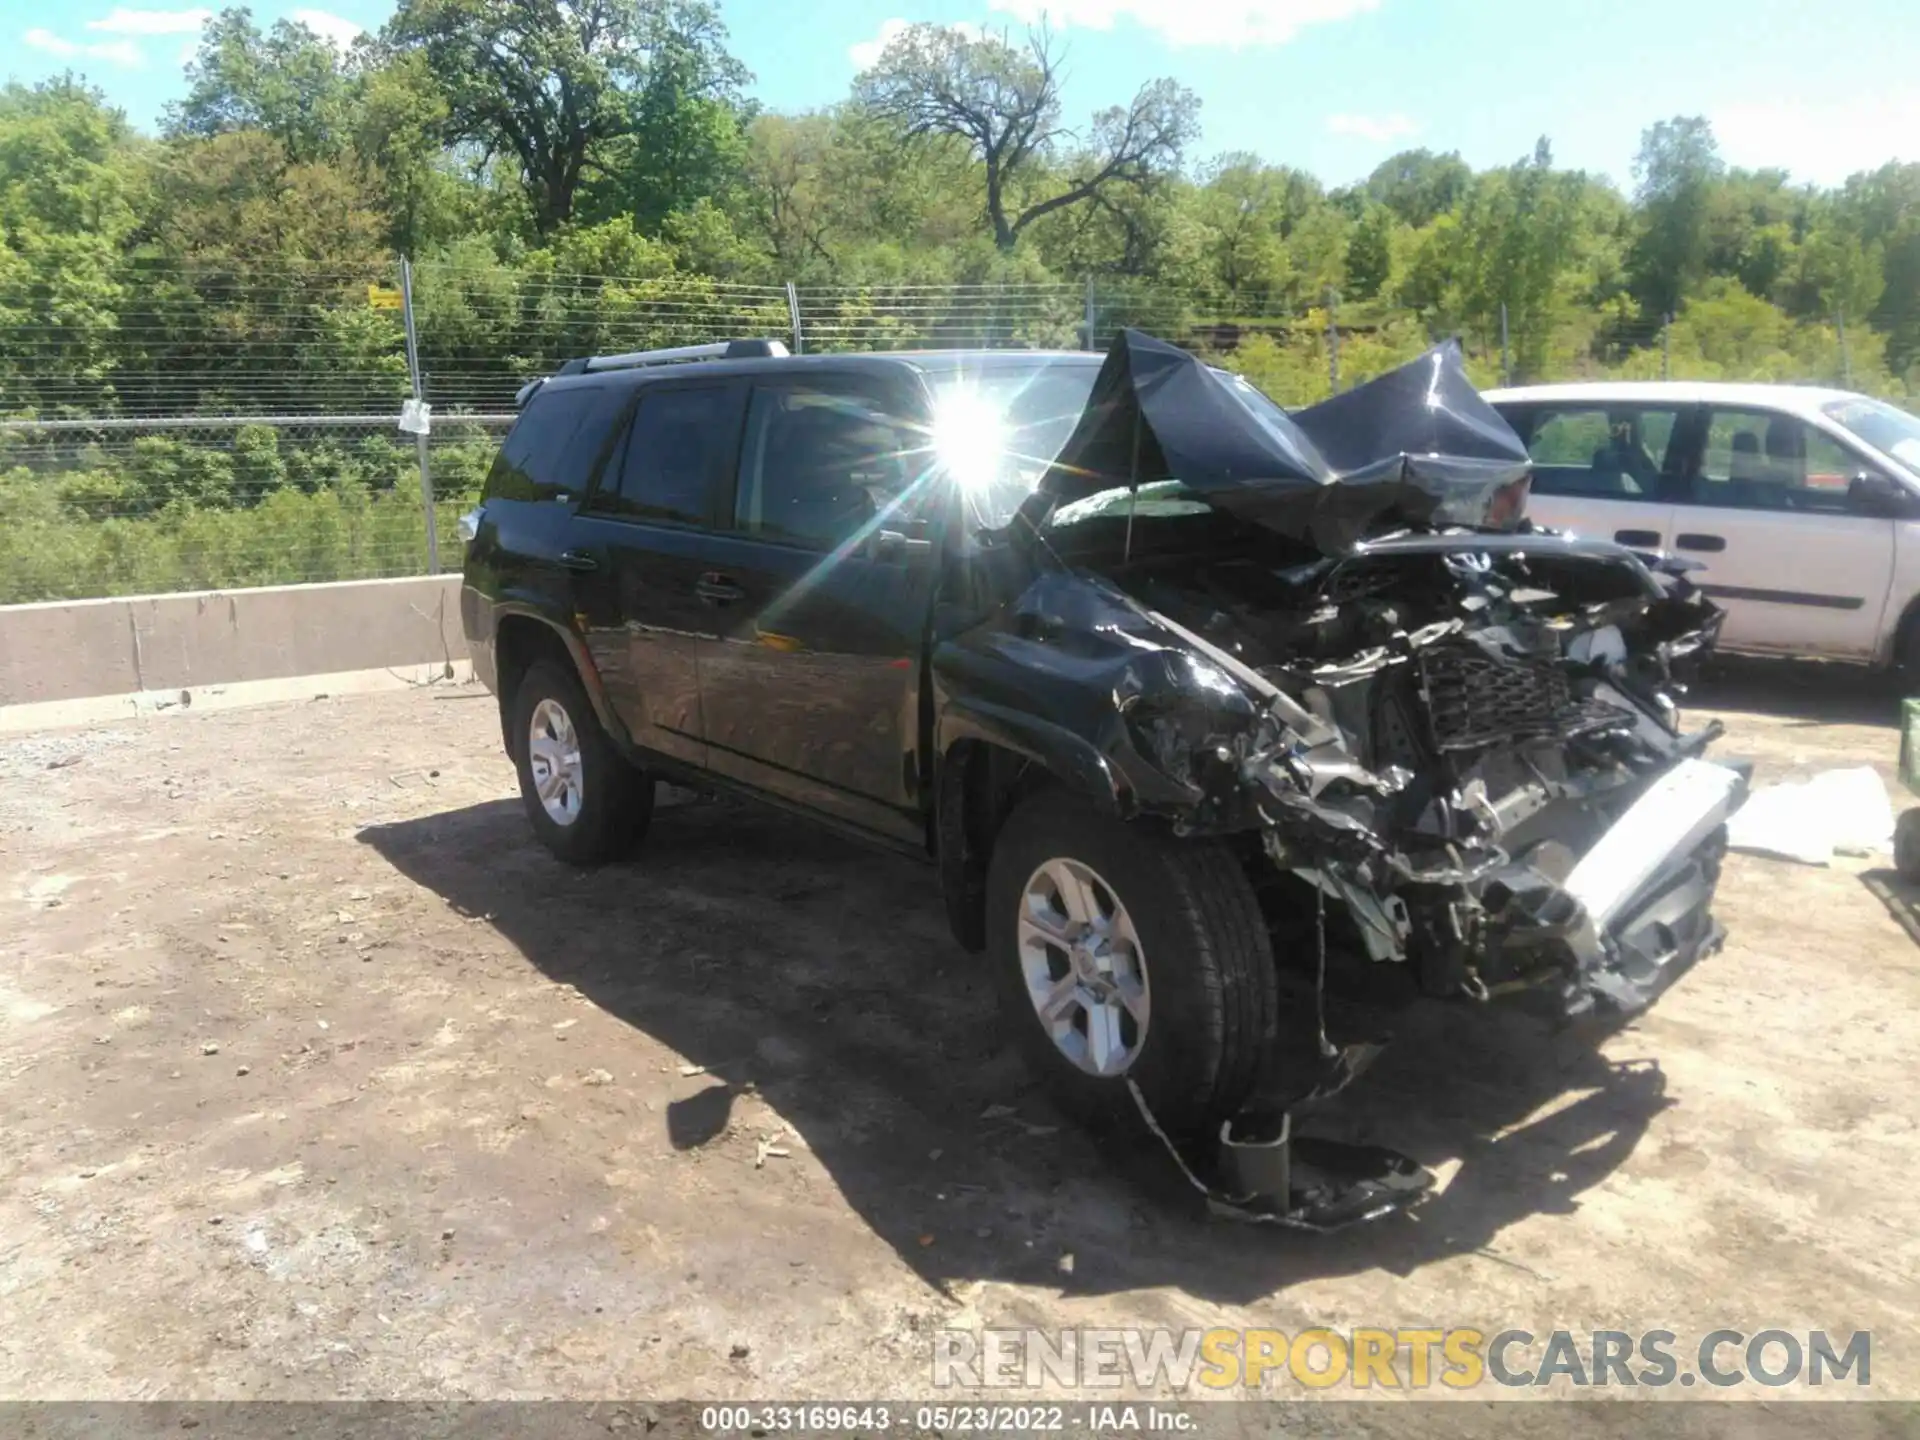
[1802,504]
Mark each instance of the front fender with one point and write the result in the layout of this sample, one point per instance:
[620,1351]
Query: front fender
[1068,757]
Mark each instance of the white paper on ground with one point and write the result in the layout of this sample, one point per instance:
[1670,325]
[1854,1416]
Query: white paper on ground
[1843,812]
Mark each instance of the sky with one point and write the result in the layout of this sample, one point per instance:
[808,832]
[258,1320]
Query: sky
[1331,86]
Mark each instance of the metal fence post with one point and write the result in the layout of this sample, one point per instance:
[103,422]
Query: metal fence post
[1846,360]
[793,317]
[1666,347]
[420,438]
[1333,338]
[1090,343]
[1506,365]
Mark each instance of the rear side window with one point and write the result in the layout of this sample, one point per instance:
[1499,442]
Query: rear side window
[673,454]
[555,445]
[1610,452]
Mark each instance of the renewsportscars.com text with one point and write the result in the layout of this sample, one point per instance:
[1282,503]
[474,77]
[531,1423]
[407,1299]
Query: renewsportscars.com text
[1459,1358]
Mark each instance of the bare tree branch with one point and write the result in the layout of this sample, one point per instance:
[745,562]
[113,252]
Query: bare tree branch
[1004,101]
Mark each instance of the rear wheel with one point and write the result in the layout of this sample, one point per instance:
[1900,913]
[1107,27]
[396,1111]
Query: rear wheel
[586,803]
[1120,952]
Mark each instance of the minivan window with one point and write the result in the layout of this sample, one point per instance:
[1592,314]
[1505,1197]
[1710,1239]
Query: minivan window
[677,438]
[553,446]
[1756,460]
[1600,451]
[1887,428]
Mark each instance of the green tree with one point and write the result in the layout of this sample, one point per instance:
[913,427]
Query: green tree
[1370,253]
[554,84]
[1419,186]
[1676,175]
[286,81]
[1003,101]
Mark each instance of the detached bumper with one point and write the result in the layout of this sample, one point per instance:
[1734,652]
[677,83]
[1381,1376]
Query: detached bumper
[1636,912]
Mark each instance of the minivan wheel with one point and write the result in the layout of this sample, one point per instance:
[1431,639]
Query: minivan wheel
[586,803]
[1121,952]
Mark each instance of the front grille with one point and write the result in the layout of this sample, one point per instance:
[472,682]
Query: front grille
[1475,700]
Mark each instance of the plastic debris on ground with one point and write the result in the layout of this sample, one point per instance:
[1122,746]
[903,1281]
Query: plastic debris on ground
[1837,812]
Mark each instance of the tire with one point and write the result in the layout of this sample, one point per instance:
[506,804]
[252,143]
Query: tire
[1211,990]
[612,803]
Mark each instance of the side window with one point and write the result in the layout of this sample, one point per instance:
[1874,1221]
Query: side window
[673,451]
[1600,452]
[554,445]
[1759,461]
[821,464]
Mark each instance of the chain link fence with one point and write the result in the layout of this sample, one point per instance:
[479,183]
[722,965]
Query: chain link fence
[200,426]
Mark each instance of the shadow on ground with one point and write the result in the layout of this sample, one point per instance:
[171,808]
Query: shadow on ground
[1806,691]
[819,972]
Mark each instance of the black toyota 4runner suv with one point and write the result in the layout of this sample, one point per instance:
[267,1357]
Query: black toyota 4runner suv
[1201,709]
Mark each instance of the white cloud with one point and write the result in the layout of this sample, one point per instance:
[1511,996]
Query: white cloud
[337,30]
[1380,129]
[865,54]
[123,21]
[1822,142]
[115,52]
[1192,22]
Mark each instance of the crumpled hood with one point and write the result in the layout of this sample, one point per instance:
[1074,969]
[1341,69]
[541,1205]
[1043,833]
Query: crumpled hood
[1416,447]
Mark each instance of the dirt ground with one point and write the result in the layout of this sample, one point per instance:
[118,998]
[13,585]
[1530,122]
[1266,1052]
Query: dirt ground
[319,1079]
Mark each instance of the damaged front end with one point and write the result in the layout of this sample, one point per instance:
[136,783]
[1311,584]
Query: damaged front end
[1471,745]
[1453,741]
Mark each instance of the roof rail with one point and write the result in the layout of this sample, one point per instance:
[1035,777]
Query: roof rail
[719,350]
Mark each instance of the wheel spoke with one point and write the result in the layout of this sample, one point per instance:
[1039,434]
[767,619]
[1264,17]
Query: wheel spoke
[1133,995]
[1041,919]
[1105,1048]
[1060,1002]
[1076,894]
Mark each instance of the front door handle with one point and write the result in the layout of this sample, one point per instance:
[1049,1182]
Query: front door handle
[1710,543]
[717,589]
[580,560]
[1636,539]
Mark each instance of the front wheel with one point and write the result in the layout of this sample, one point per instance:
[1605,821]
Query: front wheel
[1121,952]
[586,803]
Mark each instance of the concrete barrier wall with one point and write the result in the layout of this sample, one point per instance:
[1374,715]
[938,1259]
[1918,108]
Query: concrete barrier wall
[76,649]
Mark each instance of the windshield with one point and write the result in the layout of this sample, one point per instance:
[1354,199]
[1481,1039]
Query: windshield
[1887,428]
[996,430]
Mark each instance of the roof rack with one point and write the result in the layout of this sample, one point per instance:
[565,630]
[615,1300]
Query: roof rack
[637,359]
[719,350]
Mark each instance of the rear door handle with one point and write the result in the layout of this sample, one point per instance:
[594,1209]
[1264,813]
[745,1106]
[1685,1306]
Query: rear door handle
[718,589]
[1709,543]
[1637,539]
[580,560]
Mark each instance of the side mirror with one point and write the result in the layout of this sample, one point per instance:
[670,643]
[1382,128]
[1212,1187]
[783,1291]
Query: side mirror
[1877,495]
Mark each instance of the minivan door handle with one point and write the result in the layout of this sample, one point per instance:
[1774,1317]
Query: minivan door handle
[1636,539]
[580,560]
[1710,543]
[718,589]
